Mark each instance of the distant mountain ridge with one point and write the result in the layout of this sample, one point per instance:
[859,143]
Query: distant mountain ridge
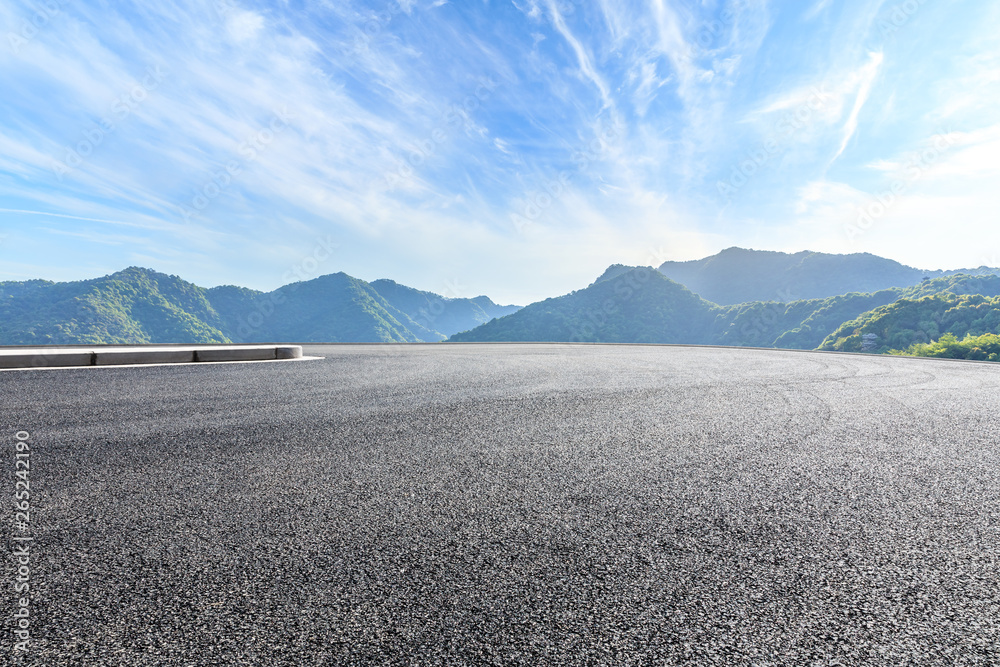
[138,305]
[637,305]
[640,305]
[626,304]
[739,275]
[434,312]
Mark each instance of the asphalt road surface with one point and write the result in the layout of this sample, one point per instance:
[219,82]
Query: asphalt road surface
[510,505]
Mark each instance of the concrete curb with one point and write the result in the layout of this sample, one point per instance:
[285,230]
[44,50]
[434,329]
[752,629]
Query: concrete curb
[50,357]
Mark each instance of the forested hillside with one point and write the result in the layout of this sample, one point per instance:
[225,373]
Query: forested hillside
[908,321]
[624,305]
[637,305]
[137,306]
[131,306]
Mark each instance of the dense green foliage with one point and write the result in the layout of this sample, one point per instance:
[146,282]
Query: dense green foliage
[798,325]
[132,306]
[738,275]
[980,348]
[335,308]
[138,306]
[906,322]
[640,305]
[986,285]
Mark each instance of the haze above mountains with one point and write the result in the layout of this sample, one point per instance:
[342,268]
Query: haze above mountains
[736,297]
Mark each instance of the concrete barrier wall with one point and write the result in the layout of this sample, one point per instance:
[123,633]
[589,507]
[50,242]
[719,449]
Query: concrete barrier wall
[242,354]
[40,358]
[56,357]
[288,352]
[147,356]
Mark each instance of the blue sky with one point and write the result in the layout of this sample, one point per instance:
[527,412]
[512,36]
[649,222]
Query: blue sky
[514,148]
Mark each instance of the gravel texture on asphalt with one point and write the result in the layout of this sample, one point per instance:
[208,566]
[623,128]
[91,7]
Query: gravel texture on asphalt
[512,505]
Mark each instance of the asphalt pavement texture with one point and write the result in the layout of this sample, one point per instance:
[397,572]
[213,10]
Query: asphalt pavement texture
[457,504]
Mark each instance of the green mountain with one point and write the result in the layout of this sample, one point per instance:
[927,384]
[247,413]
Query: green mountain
[131,306]
[799,325]
[987,285]
[625,305]
[906,322]
[138,306]
[335,308]
[739,275]
[640,305]
[637,305]
[444,315]
[959,305]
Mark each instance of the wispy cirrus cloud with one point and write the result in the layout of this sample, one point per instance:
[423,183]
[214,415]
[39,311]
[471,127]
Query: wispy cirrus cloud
[867,78]
[585,63]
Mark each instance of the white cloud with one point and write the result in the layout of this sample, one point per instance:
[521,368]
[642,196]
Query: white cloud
[672,44]
[816,10]
[884,165]
[529,8]
[867,78]
[649,83]
[929,203]
[583,57]
[244,26]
